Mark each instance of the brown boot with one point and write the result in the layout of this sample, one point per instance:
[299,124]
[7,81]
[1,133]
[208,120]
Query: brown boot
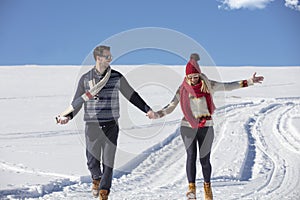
[95,187]
[103,194]
[191,194]
[207,191]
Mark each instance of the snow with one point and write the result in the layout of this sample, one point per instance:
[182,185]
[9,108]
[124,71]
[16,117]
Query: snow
[255,155]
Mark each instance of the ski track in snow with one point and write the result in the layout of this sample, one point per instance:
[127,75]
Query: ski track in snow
[281,147]
[257,138]
[36,134]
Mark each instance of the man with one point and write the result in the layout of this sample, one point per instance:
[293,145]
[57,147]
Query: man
[101,114]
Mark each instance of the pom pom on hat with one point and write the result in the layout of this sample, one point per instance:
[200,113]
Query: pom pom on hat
[195,56]
[192,67]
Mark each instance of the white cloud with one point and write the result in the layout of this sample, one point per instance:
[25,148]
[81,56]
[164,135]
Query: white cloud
[250,4]
[294,4]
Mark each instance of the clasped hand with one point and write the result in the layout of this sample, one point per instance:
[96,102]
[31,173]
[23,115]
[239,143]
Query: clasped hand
[152,115]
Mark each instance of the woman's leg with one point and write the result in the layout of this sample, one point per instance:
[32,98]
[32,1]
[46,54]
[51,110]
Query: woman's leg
[206,168]
[189,140]
[205,138]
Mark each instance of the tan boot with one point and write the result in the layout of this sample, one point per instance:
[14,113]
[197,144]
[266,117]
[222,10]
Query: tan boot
[95,187]
[207,191]
[191,194]
[103,194]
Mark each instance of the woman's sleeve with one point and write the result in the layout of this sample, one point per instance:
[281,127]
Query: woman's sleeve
[171,106]
[229,86]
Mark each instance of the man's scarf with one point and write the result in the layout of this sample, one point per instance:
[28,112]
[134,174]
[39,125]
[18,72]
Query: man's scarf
[196,91]
[77,103]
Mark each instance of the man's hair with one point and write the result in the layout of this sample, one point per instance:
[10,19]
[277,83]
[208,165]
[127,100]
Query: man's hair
[98,51]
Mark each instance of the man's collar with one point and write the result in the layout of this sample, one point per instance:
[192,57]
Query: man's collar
[98,73]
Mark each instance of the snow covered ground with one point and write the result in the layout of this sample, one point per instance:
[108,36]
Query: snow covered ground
[256,151]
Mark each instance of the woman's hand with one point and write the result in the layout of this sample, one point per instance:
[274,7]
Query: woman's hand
[257,79]
[152,115]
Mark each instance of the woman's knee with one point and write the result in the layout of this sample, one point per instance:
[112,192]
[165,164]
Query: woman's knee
[191,155]
[205,161]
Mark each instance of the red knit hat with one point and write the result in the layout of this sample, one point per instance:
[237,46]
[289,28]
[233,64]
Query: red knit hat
[192,67]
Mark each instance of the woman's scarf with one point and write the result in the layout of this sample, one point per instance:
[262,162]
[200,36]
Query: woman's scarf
[197,91]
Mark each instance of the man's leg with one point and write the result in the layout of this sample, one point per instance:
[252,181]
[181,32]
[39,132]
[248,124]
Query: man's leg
[93,165]
[93,150]
[108,156]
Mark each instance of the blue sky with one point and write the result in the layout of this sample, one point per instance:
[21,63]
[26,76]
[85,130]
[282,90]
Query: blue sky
[234,33]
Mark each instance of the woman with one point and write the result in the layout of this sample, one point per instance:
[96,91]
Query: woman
[196,100]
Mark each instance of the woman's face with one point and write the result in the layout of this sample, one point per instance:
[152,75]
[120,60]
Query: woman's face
[193,78]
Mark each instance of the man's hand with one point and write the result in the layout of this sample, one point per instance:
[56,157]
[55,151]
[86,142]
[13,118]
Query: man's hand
[152,115]
[257,79]
[62,120]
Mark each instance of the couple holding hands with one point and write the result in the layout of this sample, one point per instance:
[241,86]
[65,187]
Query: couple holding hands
[98,90]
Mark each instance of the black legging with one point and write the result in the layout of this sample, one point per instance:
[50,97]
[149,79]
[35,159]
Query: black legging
[204,136]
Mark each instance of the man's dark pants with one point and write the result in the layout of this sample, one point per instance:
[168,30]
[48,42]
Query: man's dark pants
[101,144]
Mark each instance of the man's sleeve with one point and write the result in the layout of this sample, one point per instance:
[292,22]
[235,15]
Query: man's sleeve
[131,95]
[79,91]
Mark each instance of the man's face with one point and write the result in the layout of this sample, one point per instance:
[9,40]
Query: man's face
[105,58]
